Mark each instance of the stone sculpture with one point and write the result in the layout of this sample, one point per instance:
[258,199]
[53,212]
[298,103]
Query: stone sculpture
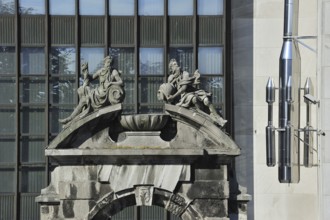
[181,89]
[108,92]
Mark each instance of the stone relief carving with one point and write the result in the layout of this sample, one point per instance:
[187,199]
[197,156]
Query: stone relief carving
[143,195]
[109,91]
[176,205]
[181,89]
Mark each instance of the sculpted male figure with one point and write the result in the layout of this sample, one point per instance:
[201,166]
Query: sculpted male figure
[110,85]
[182,87]
[108,92]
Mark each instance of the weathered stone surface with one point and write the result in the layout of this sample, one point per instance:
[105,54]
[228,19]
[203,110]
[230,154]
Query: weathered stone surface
[76,209]
[212,207]
[49,212]
[127,176]
[191,213]
[142,140]
[206,189]
[79,190]
[211,174]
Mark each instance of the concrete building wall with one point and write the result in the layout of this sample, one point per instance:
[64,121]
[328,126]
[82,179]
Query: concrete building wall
[272,200]
[324,90]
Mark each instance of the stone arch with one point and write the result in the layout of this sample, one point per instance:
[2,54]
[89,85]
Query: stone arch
[186,174]
[112,203]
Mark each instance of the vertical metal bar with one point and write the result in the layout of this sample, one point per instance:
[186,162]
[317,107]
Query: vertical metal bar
[17,112]
[77,46]
[289,112]
[227,70]
[47,46]
[308,134]
[137,212]
[106,27]
[270,130]
[166,41]
[195,36]
[136,56]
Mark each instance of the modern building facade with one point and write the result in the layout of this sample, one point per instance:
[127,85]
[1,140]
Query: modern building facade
[234,44]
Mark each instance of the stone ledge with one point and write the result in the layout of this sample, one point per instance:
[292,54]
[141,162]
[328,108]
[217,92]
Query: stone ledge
[137,156]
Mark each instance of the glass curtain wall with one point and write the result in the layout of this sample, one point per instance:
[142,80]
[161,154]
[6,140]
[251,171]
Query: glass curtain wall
[42,46]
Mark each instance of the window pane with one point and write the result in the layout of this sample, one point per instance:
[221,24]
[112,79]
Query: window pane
[94,57]
[7,150]
[32,150]
[152,212]
[213,85]
[181,7]
[210,60]
[88,7]
[148,89]
[7,60]
[7,118]
[60,7]
[151,61]
[210,7]
[33,61]
[32,7]
[63,90]
[127,213]
[33,90]
[7,205]
[29,208]
[58,113]
[7,7]
[123,60]
[122,7]
[32,179]
[151,7]
[7,179]
[129,85]
[62,61]
[33,120]
[184,57]
[7,90]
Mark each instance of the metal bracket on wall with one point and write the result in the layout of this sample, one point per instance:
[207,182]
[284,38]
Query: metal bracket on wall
[300,38]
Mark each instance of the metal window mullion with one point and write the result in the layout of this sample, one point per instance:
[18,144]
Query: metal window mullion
[17,112]
[136,56]
[227,68]
[77,46]
[195,36]
[106,27]
[47,46]
[166,40]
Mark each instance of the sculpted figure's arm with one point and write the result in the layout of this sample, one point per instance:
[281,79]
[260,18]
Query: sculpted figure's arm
[116,76]
[182,88]
[96,75]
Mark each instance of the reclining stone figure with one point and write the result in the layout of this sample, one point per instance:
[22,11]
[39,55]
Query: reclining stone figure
[181,90]
[108,92]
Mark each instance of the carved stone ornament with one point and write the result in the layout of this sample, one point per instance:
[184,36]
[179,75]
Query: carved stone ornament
[181,90]
[176,205]
[109,91]
[143,195]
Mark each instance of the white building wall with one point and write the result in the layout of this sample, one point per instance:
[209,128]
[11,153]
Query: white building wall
[272,200]
[324,90]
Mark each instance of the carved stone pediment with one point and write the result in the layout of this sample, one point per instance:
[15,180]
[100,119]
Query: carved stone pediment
[107,135]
